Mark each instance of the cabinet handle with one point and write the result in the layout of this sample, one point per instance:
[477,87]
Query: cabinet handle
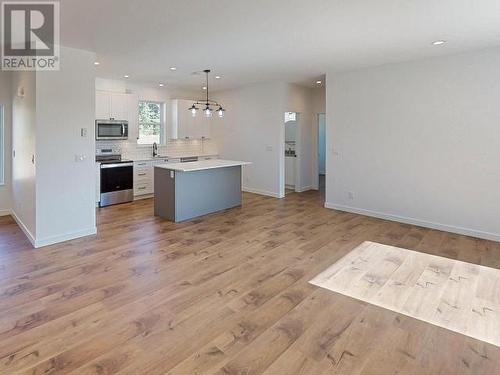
[142,174]
[142,188]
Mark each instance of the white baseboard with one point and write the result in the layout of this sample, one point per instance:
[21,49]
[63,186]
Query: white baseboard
[5,212]
[64,237]
[53,239]
[305,188]
[418,222]
[146,196]
[23,227]
[261,192]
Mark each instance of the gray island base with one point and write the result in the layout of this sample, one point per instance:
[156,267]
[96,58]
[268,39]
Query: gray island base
[187,190]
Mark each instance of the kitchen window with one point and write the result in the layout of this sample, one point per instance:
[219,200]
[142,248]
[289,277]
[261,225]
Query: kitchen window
[151,123]
[2,147]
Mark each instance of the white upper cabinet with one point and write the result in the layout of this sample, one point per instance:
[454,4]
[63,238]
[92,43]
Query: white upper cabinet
[185,122]
[133,116]
[119,104]
[182,125]
[111,105]
[102,105]
[204,125]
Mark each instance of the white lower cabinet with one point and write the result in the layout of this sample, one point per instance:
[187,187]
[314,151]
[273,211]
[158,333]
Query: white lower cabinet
[144,176]
[97,183]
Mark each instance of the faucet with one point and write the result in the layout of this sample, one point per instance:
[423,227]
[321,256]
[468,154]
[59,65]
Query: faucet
[155,150]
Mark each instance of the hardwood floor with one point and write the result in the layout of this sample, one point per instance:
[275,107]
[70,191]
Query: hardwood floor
[459,296]
[224,294]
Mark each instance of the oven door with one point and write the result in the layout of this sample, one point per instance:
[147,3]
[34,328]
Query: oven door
[111,130]
[117,183]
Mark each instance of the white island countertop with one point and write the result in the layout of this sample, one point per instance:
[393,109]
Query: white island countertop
[201,165]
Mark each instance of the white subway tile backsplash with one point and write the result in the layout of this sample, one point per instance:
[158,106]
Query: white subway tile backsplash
[175,148]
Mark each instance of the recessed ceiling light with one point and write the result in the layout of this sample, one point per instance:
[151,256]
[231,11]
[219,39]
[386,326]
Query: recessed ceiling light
[438,42]
[217,77]
[204,88]
[96,63]
[173,68]
[126,76]
[319,82]
[161,84]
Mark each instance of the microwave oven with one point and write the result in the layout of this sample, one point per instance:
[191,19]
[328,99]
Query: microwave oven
[111,129]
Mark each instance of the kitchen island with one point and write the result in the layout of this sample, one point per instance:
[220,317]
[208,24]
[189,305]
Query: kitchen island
[187,190]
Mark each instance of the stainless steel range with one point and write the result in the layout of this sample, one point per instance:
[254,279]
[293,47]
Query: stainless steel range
[117,180]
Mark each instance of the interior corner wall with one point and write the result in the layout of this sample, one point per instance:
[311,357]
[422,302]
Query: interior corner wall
[418,142]
[65,187]
[253,130]
[23,94]
[6,102]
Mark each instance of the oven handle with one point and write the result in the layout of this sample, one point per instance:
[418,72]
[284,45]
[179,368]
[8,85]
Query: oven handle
[106,166]
[123,129]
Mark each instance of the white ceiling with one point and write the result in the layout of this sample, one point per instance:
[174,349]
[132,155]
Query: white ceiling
[269,40]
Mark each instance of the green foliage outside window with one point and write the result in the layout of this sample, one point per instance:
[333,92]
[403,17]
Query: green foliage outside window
[150,123]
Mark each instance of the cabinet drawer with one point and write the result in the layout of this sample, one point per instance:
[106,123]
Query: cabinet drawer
[142,164]
[143,170]
[143,174]
[143,187]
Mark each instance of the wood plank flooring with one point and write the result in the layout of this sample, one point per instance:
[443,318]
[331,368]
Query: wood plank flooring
[224,294]
[459,296]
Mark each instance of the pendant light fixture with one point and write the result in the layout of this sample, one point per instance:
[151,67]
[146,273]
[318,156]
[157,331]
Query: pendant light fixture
[209,105]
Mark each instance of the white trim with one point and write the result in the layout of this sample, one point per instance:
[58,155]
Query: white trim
[65,237]
[53,239]
[5,212]
[418,222]
[305,188]
[261,192]
[23,227]
[145,196]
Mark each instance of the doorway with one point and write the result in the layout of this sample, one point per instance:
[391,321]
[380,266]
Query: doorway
[321,152]
[290,152]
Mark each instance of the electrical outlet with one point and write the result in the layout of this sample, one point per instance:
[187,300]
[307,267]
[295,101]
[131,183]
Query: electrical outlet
[350,195]
[269,148]
[83,132]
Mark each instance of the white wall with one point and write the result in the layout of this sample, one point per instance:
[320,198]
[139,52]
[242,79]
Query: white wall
[23,144]
[253,130]
[65,188]
[418,142]
[6,101]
